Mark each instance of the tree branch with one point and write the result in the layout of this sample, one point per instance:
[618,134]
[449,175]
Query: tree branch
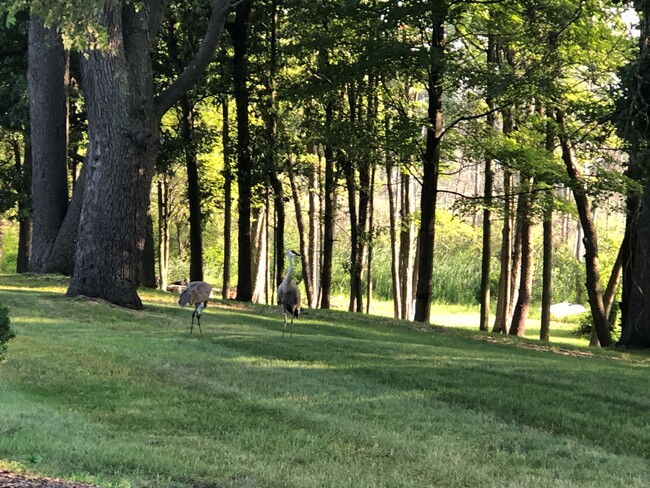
[179,87]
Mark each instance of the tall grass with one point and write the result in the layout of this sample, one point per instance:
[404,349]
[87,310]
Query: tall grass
[124,398]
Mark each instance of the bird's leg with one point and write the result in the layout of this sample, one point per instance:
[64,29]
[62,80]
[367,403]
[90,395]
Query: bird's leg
[284,327]
[192,326]
[199,309]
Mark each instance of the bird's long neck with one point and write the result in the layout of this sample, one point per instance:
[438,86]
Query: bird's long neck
[288,276]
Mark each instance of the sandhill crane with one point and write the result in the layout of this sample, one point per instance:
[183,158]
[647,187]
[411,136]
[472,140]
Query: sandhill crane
[196,293]
[289,295]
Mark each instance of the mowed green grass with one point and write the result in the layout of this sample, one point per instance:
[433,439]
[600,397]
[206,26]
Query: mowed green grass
[122,398]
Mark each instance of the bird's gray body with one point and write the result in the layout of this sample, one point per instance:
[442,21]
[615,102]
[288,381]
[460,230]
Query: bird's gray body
[289,295]
[196,293]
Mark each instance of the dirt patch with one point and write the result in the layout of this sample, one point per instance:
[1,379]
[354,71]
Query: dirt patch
[13,480]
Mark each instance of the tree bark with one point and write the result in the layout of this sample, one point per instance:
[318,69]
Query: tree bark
[227,206]
[193,192]
[547,275]
[329,214]
[406,246]
[314,227]
[431,165]
[163,230]
[239,34]
[520,314]
[486,256]
[592,261]
[391,187]
[48,125]
[304,258]
[123,134]
[61,259]
[505,283]
[24,170]
[148,270]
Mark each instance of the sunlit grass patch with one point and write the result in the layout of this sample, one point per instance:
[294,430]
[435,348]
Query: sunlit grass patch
[129,398]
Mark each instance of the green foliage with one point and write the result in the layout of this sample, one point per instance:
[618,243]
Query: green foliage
[6,332]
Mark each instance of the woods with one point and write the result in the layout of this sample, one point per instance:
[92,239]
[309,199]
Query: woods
[394,144]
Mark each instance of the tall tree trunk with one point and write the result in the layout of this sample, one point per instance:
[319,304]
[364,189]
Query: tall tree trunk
[193,192]
[406,246]
[163,230]
[47,63]
[329,215]
[431,164]
[304,258]
[505,283]
[592,261]
[547,261]
[239,34]
[520,314]
[347,168]
[391,186]
[314,227]
[486,255]
[547,275]
[370,239]
[227,197]
[24,170]
[365,192]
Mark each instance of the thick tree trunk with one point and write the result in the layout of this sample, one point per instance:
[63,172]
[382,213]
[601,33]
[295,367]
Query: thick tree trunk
[239,34]
[592,261]
[123,145]
[61,259]
[123,135]
[431,164]
[329,215]
[48,124]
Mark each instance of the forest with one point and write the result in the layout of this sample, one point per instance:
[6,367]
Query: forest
[412,152]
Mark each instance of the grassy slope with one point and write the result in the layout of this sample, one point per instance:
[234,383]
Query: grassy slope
[123,398]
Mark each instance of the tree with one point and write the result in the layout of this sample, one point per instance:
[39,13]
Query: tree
[239,33]
[48,127]
[123,133]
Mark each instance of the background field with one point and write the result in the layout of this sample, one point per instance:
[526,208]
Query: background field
[124,398]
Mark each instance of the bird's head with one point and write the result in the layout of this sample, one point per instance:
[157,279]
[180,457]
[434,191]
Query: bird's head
[291,253]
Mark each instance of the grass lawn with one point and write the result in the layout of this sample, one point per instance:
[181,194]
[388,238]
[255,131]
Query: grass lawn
[122,398]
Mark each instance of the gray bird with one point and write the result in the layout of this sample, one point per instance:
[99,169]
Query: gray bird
[289,295]
[196,293]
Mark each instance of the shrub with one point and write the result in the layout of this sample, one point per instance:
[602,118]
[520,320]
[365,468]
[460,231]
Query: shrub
[586,326]
[6,332]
